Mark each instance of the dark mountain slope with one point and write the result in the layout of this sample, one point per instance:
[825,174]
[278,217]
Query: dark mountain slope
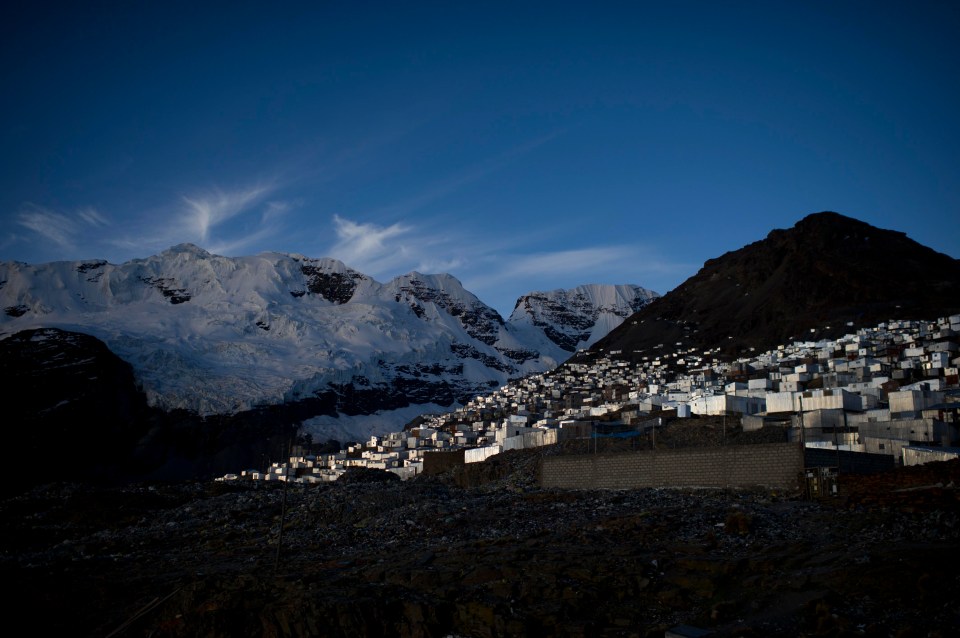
[71,406]
[824,272]
[72,410]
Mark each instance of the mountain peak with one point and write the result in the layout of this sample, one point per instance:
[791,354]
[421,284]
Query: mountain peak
[576,318]
[188,249]
[833,226]
[828,217]
[823,272]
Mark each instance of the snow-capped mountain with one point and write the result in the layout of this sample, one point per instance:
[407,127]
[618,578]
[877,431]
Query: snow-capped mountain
[578,318]
[219,335]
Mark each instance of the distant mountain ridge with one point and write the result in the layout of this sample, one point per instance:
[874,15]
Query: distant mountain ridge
[220,335]
[578,317]
[797,283]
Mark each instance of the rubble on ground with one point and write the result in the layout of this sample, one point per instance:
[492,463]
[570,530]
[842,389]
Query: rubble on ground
[499,557]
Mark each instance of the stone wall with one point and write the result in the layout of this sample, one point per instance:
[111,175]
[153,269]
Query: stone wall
[770,465]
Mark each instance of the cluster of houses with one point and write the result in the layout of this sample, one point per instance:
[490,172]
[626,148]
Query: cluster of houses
[888,390]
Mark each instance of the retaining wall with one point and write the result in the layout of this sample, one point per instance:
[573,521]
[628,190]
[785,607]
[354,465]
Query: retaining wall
[776,465]
[480,454]
[439,462]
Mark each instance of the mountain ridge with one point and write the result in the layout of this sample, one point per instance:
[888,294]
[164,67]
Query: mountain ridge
[221,335]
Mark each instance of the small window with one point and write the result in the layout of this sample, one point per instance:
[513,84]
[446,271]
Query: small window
[882,446]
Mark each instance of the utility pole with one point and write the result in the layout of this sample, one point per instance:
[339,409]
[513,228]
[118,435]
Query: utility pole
[802,433]
[838,446]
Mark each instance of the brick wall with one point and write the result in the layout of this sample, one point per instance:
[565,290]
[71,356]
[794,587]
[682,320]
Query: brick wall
[769,465]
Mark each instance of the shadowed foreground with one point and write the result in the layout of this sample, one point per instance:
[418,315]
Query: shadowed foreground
[505,558]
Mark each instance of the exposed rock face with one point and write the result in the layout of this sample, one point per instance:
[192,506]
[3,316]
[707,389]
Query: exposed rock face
[465,351]
[578,317]
[824,272]
[478,320]
[322,278]
[167,287]
[17,311]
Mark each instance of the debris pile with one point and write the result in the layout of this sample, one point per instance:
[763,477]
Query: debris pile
[504,557]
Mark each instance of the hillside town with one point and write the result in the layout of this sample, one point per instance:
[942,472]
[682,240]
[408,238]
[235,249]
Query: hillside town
[888,392]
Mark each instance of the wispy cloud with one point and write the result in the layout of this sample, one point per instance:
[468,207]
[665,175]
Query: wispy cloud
[222,221]
[92,217]
[570,261]
[65,229]
[56,227]
[499,277]
[491,265]
[442,263]
[369,247]
[595,264]
[205,212]
[241,243]
[385,251]
[274,210]
[389,249]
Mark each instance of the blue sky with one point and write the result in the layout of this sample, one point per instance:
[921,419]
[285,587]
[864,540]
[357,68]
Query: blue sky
[519,146]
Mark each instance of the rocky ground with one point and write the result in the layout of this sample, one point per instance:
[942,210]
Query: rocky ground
[484,552]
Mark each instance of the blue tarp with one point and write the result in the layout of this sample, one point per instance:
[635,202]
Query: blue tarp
[615,435]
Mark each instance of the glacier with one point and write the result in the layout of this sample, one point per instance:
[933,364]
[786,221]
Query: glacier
[218,335]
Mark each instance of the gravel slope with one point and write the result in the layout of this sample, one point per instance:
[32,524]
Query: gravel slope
[505,558]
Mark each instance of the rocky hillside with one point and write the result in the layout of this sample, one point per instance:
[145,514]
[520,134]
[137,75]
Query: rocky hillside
[69,405]
[426,558]
[806,281]
[73,411]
